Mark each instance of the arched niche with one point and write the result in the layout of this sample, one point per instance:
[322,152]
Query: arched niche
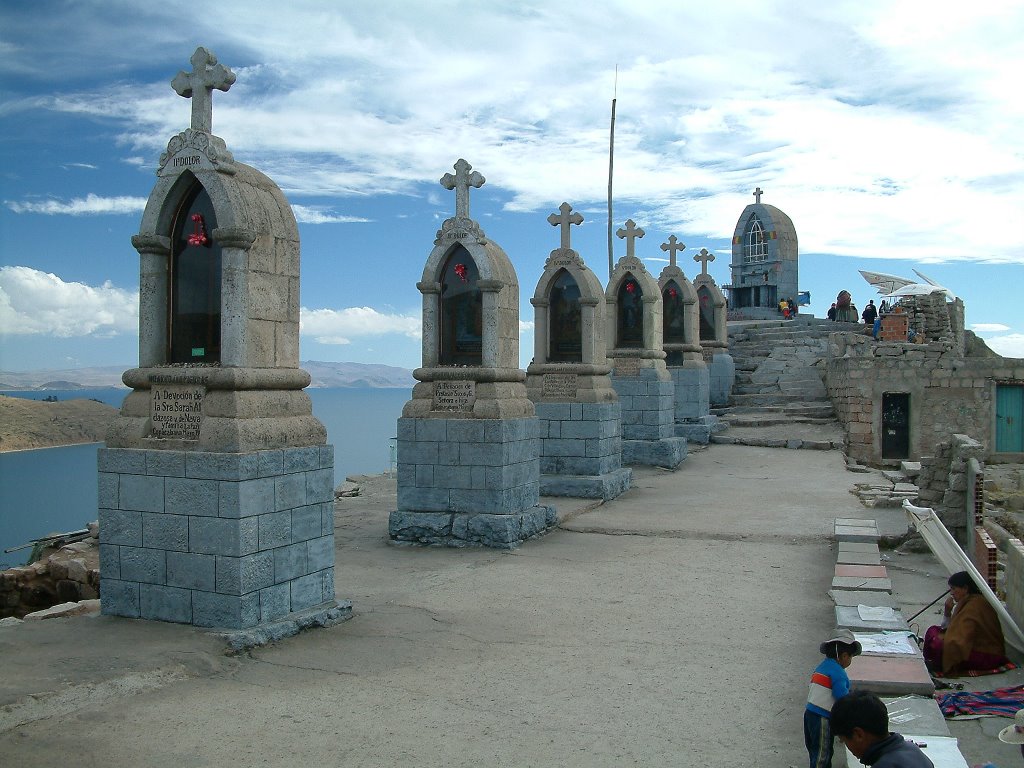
[633,305]
[714,331]
[461,308]
[680,317]
[568,313]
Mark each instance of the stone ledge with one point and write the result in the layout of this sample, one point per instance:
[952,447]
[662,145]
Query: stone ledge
[467,529]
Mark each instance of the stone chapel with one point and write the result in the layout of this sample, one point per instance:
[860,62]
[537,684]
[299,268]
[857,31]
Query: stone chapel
[764,267]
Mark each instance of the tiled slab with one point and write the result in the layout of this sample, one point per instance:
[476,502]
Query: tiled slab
[847,617]
[856,533]
[867,571]
[868,547]
[916,714]
[891,675]
[855,521]
[861,583]
[857,597]
[858,558]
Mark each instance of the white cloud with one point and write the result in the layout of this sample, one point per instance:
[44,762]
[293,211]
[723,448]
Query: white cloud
[340,326]
[34,302]
[317,214]
[80,206]
[989,327]
[526,326]
[1011,345]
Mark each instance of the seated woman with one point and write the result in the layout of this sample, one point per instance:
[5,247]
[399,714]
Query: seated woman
[970,638]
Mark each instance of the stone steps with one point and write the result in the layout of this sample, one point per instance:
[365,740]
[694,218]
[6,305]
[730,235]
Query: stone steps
[805,410]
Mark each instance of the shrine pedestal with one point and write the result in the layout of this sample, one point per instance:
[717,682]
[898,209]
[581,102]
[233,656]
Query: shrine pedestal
[648,418]
[722,376]
[229,540]
[581,450]
[468,482]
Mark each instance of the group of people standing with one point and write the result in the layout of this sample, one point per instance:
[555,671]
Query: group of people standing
[787,308]
[843,310]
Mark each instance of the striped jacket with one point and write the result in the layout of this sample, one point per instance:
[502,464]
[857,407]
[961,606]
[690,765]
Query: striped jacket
[828,683]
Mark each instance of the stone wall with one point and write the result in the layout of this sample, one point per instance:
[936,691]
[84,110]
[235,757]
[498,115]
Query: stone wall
[949,393]
[66,575]
[943,483]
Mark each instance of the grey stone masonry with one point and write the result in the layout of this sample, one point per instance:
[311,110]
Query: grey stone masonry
[468,482]
[468,445]
[216,540]
[578,411]
[581,450]
[639,375]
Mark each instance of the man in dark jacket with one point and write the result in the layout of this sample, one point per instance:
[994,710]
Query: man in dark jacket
[869,314]
[861,722]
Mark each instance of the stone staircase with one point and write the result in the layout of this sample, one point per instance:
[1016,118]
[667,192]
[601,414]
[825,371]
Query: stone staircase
[779,390]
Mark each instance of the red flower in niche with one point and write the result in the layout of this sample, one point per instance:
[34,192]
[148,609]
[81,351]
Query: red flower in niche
[630,287]
[460,270]
[198,236]
[672,293]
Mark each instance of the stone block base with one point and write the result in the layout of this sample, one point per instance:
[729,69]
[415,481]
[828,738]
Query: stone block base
[229,540]
[692,391]
[699,431]
[721,378]
[668,452]
[466,529]
[606,486]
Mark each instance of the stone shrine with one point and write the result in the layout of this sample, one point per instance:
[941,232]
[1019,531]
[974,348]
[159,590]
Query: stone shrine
[468,447]
[568,380]
[714,332]
[639,376]
[764,261]
[683,353]
[216,485]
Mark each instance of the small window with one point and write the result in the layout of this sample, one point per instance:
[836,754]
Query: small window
[673,316]
[630,322]
[755,242]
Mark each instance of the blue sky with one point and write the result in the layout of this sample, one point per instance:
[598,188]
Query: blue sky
[889,131]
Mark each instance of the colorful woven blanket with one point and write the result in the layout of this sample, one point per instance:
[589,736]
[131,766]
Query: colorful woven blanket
[1003,702]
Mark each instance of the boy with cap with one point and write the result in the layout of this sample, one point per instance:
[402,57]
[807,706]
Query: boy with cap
[861,722]
[829,683]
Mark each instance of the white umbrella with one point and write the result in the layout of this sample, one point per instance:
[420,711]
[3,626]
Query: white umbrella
[916,289]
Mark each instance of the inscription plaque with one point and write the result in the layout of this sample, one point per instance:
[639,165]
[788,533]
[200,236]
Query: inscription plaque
[627,366]
[176,411]
[454,395]
[560,385]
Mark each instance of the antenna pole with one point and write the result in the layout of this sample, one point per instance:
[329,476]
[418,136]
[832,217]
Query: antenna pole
[611,166]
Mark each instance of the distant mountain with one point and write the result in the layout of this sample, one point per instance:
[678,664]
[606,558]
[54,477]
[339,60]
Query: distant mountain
[324,374]
[356,375]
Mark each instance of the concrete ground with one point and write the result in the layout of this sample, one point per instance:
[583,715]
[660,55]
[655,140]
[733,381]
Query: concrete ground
[675,625]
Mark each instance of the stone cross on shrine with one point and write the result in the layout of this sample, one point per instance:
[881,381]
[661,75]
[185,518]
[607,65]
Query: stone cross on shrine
[630,234]
[198,85]
[672,246]
[565,219]
[757,195]
[704,257]
[461,182]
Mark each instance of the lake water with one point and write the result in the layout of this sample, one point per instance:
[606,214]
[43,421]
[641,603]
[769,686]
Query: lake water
[54,489]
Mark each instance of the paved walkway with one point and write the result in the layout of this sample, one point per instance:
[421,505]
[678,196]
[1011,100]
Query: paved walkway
[675,625]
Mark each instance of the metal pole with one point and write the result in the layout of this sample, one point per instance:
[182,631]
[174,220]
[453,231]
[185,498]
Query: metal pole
[611,166]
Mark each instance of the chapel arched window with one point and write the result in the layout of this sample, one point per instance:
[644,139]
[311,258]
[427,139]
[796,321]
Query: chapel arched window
[755,242]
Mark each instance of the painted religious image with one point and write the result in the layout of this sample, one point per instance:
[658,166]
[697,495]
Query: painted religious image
[461,311]
[707,313]
[630,322]
[194,325]
[565,321]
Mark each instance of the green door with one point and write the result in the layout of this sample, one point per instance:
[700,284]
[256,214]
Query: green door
[1009,418]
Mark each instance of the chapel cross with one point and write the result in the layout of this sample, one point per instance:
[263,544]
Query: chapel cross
[198,85]
[630,234]
[704,257]
[564,220]
[672,246]
[757,195]
[461,182]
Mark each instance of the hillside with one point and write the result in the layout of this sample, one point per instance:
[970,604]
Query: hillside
[38,424]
